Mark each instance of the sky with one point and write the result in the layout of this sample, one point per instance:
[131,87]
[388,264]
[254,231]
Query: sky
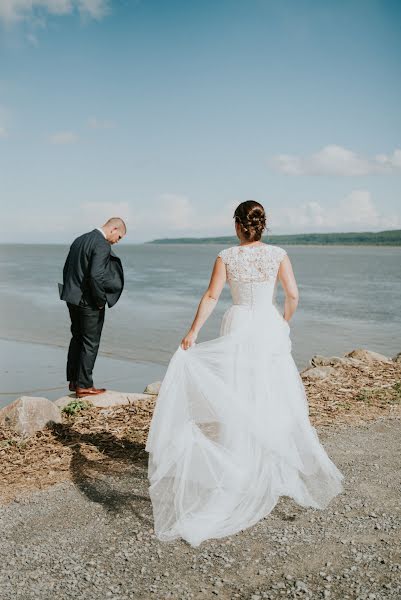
[170,113]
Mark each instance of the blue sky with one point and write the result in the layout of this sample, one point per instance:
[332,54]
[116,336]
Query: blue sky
[170,113]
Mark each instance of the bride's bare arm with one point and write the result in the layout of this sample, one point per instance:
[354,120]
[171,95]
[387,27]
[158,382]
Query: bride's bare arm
[287,280]
[207,303]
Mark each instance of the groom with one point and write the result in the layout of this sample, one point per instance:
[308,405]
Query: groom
[92,277]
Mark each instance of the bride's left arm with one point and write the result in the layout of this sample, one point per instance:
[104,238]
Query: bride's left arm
[207,303]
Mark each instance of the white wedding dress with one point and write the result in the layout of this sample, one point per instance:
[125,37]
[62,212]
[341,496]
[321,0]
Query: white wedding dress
[230,433]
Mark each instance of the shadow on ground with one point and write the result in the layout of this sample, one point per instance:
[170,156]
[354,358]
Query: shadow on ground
[96,461]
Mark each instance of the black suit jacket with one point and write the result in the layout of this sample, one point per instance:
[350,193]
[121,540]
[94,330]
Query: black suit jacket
[92,272]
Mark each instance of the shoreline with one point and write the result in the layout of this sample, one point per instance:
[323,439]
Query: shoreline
[44,376]
[109,355]
[351,391]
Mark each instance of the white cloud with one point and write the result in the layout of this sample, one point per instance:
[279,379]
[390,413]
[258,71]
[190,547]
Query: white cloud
[355,212]
[175,215]
[63,137]
[97,213]
[12,11]
[172,215]
[336,160]
[32,39]
[95,123]
[52,226]
[175,212]
[95,9]
[392,161]
[168,215]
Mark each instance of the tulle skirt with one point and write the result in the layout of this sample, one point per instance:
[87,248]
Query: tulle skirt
[231,433]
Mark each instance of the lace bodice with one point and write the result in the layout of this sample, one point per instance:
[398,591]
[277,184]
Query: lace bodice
[252,273]
[252,263]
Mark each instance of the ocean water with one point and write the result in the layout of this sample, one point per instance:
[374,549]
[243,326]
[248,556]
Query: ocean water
[350,297]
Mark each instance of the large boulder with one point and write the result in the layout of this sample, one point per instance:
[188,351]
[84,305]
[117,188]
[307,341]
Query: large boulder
[397,358]
[323,361]
[367,356]
[109,398]
[318,372]
[29,414]
[153,388]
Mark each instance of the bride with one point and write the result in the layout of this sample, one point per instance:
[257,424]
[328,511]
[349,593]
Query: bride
[230,433]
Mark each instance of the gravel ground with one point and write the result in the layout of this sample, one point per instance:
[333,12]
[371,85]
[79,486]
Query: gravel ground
[93,539]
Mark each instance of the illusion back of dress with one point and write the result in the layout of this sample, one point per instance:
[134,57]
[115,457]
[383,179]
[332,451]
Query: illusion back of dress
[252,274]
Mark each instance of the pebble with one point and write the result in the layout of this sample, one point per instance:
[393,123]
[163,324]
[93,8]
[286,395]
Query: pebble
[92,542]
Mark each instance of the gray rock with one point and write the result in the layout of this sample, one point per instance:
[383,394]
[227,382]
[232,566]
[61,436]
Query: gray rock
[367,356]
[397,358]
[109,398]
[322,361]
[301,585]
[153,388]
[348,360]
[29,414]
[318,372]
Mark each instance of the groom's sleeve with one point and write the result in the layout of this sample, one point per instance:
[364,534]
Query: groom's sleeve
[99,261]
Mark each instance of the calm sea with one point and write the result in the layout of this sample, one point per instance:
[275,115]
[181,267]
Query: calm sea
[350,297]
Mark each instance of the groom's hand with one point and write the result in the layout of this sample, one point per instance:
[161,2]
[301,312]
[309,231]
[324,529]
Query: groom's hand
[188,340]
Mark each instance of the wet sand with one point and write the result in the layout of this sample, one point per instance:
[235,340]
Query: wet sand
[29,369]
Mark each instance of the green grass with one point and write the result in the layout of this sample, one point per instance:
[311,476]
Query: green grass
[391,395]
[17,442]
[345,405]
[75,406]
[396,393]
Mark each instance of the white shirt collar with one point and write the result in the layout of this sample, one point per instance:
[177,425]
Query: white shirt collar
[101,231]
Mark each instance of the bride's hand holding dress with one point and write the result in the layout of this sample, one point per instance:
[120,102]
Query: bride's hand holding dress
[207,303]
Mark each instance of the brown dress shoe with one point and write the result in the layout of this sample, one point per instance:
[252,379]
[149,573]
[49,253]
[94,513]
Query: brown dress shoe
[72,386]
[92,391]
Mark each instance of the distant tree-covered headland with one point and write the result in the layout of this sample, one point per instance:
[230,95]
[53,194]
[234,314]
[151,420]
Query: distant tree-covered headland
[378,238]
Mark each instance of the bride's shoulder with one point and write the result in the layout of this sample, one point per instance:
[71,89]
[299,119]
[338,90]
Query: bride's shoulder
[277,252]
[226,253]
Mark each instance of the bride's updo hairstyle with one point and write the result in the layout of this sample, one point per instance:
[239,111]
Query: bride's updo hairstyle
[251,216]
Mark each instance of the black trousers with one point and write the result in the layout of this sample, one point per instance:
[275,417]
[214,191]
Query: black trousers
[86,329]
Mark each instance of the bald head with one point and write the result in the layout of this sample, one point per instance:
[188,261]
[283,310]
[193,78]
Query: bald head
[114,230]
[116,222]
